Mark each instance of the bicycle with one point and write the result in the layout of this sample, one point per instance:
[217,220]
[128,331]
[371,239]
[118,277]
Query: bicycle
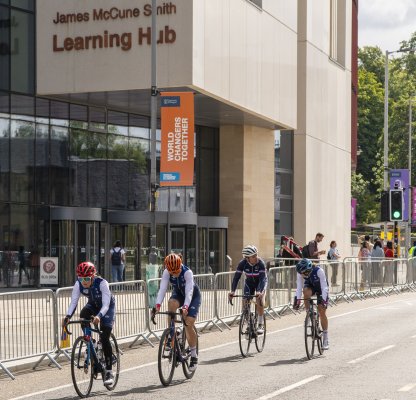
[87,360]
[313,329]
[247,329]
[174,349]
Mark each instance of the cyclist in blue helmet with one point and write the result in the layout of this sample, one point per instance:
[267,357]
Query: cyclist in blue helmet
[254,269]
[312,279]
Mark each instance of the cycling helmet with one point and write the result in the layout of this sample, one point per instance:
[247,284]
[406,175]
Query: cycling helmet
[304,266]
[85,269]
[173,263]
[249,250]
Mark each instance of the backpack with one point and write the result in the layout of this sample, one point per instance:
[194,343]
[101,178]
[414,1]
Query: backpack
[116,257]
[305,251]
[328,256]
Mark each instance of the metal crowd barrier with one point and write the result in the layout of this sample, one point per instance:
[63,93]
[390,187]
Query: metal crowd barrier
[224,311]
[282,283]
[27,326]
[30,321]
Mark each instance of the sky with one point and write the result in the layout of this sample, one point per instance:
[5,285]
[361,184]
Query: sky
[385,23]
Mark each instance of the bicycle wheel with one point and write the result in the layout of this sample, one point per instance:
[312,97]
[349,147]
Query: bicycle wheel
[261,339]
[318,335]
[309,334]
[186,354]
[245,332]
[166,358]
[115,362]
[81,370]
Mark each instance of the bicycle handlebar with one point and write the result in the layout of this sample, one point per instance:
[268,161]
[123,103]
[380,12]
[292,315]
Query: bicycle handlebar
[172,315]
[80,321]
[249,296]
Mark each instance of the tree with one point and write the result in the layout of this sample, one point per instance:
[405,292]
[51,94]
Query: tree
[370,128]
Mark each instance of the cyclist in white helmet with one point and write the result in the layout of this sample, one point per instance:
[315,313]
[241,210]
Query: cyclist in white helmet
[256,280]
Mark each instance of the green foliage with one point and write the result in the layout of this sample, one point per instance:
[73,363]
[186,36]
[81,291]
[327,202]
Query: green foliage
[368,181]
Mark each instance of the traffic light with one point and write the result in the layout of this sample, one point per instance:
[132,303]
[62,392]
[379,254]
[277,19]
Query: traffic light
[384,205]
[396,205]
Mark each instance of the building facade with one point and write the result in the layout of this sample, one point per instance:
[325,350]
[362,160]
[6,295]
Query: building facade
[271,82]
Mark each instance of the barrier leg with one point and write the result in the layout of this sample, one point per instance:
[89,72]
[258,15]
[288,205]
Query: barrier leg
[51,359]
[7,371]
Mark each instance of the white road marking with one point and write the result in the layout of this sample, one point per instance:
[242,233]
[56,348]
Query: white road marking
[290,387]
[371,354]
[407,388]
[387,308]
[412,337]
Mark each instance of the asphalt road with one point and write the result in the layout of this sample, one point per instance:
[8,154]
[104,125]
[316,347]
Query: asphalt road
[371,356]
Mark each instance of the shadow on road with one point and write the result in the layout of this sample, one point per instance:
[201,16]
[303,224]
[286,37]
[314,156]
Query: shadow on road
[234,358]
[286,362]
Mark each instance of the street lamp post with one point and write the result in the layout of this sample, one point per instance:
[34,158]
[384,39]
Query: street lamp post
[409,225]
[153,121]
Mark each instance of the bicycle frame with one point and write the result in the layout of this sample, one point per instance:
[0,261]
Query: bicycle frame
[169,357]
[91,353]
[312,328]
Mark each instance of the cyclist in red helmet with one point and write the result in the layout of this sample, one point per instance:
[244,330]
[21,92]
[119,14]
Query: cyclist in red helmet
[185,294]
[100,306]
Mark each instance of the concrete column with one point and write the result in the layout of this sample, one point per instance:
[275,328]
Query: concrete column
[247,188]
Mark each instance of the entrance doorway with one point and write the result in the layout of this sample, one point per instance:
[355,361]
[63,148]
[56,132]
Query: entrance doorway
[177,240]
[74,242]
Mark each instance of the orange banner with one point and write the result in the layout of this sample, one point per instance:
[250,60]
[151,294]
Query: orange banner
[177,150]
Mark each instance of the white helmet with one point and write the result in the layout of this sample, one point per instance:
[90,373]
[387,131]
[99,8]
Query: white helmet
[249,250]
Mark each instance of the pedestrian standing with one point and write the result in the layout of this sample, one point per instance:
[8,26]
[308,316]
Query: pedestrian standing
[118,259]
[333,257]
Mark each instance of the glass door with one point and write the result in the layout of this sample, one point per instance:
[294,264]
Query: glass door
[88,242]
[177,241]
[62,246]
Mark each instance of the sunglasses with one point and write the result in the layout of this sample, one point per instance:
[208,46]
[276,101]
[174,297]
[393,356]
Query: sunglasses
[306,274]
[85,279]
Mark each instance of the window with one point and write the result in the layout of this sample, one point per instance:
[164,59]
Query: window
[22,45]
[283,199]
[337,31]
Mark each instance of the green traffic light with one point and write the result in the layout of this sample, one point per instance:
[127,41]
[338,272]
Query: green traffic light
[396,214]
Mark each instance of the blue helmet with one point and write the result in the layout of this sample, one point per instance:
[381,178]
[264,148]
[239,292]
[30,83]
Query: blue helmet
[304,266]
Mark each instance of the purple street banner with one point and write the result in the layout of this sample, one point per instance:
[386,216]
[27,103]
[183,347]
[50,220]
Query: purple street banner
[353,213]
[414,206]
[399,178]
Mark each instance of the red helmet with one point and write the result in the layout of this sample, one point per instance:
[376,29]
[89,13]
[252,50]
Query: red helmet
[85,269]
[173,263]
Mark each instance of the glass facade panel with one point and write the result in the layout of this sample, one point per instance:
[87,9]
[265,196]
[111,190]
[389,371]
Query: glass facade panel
[217,250]
[97,119]
[22,107]
[79,116]
[118,171]
[97,162]
[190,253]
[283,185]
[22,58]
[22,134]
[25,4]
[79,166]
[5,23]
[4,103]
[118,123]
[59,113]
[42,164]
[60,189]
[4,159]
[138,179]
[42,110]
[206,167]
